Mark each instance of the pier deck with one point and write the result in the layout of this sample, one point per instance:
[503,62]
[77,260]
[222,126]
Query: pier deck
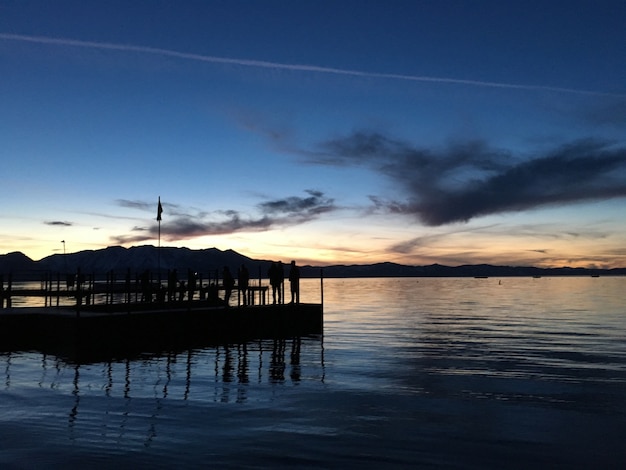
[117,332]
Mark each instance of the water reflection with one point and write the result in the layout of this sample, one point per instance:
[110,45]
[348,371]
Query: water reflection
[114,399]
[188,373]
[450,373]
[76,395]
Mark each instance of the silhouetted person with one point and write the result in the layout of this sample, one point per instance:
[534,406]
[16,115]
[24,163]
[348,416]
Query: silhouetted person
[161,293]
[280,273]
[127,286]
[243,280]
[181,291]
[191,283]
[212,293]
[69,281]
[146,292]
[229,283]
[273,276]
[80,280]
[172,281]
[294,280]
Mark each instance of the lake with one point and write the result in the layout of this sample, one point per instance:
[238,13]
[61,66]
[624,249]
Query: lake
[411,372]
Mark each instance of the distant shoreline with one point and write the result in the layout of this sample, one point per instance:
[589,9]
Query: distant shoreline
[469,271]
[211,261]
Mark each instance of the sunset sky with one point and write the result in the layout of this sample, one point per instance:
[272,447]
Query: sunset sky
[346,131]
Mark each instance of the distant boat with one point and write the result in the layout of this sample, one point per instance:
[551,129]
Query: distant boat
[595,275]
[536,276]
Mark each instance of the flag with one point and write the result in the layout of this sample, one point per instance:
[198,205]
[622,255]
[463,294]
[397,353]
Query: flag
[159,210]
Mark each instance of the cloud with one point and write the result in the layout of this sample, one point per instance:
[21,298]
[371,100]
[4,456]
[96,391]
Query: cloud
[408,246]
[468,180]
[284,212]
[140,205]
[298,208]
[59,223]
[151,207]
[291,67]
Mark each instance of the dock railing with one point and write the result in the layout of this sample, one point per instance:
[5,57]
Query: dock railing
[126,289]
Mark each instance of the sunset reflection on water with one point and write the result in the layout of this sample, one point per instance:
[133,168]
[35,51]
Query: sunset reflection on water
[451,372]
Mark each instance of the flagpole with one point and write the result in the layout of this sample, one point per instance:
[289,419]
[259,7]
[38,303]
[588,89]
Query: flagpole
[159,210]
[159,252]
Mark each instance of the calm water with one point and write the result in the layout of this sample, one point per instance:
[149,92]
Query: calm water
[422,373]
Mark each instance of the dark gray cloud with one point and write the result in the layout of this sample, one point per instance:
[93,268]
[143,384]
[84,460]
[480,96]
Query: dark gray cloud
[141,205]
[288,211]
[59,223]
[299,208]
[471,179]
[408,246]
[169,208]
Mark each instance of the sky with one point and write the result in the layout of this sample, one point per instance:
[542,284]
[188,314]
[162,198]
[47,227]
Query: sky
[329,132]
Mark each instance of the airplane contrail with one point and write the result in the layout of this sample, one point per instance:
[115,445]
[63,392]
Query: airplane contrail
[292,67]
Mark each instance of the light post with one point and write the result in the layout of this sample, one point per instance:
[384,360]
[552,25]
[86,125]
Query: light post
[64,257]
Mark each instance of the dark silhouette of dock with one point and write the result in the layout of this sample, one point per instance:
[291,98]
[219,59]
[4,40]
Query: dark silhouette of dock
[113,318]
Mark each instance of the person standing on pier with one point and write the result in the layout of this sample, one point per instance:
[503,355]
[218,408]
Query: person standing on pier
[280,275]
[229,282]
[146,287]
[191,283]
[294,280]
[272,274]
[243,280]
[172,282]
[182,288]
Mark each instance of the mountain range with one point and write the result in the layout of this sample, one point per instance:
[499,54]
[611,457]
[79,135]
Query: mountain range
[209,261]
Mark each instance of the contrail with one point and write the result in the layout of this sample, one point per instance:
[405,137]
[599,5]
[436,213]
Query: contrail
[292,67]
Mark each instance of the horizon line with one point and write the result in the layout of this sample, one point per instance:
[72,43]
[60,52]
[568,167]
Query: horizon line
[325,265]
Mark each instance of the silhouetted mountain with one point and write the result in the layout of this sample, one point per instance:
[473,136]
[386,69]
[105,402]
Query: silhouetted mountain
[210,260]
[139,258]
[16,261]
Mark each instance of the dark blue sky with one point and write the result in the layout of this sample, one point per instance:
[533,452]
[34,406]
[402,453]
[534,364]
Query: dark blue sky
[344,131]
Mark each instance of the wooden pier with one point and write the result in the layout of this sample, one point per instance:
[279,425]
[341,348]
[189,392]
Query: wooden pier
[113,320]
[85,289]
[114,334]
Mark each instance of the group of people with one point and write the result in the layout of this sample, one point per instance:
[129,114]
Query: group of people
[179,288]
[276,275]
[174,285]
[243,282]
